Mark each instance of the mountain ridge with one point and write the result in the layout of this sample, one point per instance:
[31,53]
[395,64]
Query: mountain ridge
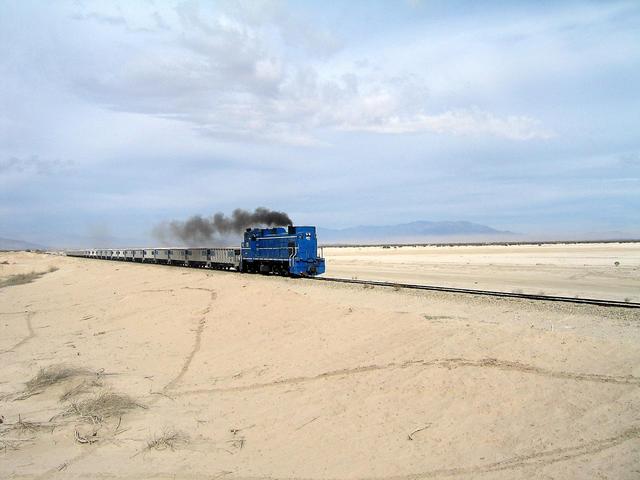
[12,244]
[419,230]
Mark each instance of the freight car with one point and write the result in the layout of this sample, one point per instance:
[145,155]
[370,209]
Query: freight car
[289,250]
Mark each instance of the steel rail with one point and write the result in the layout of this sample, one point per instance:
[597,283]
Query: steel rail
[487,293]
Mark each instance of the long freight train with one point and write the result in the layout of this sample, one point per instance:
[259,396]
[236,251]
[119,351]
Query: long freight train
[285,251]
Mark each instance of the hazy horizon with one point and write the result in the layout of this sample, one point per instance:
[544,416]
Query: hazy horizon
[326,237]
[118,116]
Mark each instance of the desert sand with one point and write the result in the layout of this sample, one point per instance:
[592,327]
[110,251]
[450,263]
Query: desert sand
[207,374]
[586,270]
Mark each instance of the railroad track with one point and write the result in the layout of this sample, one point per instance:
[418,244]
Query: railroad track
[487,293]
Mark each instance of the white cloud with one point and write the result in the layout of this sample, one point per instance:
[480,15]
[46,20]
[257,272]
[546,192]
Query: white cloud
[460,122]
[238,75]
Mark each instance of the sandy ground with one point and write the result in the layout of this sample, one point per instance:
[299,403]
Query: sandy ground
[583,270]
[266,378]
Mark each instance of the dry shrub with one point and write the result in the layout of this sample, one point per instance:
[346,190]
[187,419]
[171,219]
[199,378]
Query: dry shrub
[19,279]
[20,432]
[79,389]
[22,278]
[437,317]
[54,374]
[10,443]
[24,426]
[168,439]
[102,406]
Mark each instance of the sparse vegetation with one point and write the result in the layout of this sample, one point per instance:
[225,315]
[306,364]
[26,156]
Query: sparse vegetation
[168,439]
[52,375]
[22,278]
[437,317]
[19,432]
[11,443]
[24,426]
[79,389]
[19,279]
[102,406]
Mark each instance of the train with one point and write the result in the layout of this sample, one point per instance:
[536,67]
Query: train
[290,251]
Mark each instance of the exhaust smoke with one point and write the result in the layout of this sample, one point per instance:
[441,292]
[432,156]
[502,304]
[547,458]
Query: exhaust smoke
[198,230]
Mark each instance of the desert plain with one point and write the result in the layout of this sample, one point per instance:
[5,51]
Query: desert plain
[116,370]
[589,270]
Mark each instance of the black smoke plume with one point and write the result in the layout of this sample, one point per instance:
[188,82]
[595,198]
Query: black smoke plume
[198,230]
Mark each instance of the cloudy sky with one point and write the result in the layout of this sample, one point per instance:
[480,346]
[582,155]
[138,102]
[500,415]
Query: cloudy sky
[115,116]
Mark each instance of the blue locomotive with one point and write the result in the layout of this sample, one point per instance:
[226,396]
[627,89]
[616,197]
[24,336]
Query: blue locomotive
[285,251]
[292,250]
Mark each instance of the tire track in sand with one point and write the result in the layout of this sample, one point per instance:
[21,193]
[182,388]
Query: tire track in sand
[450,363]
[537,459]
[197,341]
[30,335]
[187,362]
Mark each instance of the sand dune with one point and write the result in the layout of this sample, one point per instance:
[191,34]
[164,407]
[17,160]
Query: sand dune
[222,375]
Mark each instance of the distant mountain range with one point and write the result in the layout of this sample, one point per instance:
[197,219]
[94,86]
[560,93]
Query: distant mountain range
[413,232]
[421,231]
[10,244]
